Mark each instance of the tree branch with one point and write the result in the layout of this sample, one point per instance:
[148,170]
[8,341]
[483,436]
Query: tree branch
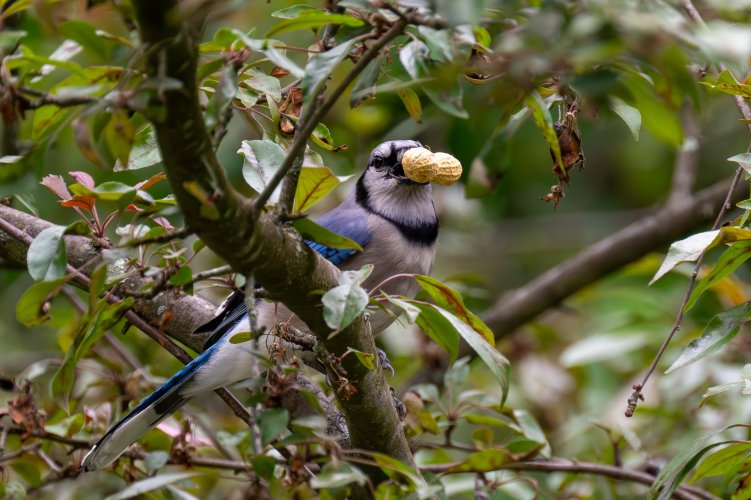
[562,465]
[188,312]
[254,243]
[631,243]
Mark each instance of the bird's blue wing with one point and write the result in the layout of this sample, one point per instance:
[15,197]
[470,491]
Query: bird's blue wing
[349,223]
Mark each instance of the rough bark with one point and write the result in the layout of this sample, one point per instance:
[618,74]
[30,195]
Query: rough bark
[259,245]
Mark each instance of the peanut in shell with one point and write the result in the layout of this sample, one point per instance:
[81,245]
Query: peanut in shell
[422,165]
[418,164]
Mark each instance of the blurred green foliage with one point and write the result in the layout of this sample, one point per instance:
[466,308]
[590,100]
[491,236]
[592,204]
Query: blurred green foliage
[635,72]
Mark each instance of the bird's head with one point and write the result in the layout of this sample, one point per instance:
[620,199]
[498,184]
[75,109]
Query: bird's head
[384,189]
[385,171]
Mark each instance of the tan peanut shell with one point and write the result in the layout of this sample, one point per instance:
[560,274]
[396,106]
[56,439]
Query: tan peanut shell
[447,169]
[418,164]
[422,165]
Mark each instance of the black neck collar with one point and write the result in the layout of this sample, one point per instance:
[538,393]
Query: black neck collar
[422,233]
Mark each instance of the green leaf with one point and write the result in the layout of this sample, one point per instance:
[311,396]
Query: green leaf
[390,466]
[743,160]
[150,484]
[338,474]
[629,114]
[449,299]
[436,327]
[46,259]
[9,39]
[144,152]
[673,474]
[29,309]
[263,465]
[319,69]
[482,37]
[272,423]
[264,84]
[541,116]
[319,234]
[365,85]
[719,389]
[92,326]
[415,57]
[97,284]
[660,119]
[293,11]
[411,102]
[263,158]
[483,461]
[311,19]
[727,83]
[367,359]
[315,183]
[689,249]
[532,430]
[721,461]
[239,338]
[411,310]
[497,362]
[107,191]
[85,35]
[29,473]
[224,93]
[344,303]
[728,262]
[719,331]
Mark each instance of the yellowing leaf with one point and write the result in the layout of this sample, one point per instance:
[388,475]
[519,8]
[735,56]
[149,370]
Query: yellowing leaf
[313,185]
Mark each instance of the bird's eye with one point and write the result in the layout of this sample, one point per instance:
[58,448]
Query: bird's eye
[378,162]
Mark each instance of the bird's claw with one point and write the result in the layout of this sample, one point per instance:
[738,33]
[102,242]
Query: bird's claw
[385,363]
[401,408]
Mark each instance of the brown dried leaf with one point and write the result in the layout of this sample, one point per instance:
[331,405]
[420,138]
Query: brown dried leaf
[290,110]
[571,148]
[278,72]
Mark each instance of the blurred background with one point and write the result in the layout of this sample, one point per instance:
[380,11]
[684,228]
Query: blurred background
[573,367]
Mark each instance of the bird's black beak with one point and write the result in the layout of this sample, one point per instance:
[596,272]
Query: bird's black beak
[397,172]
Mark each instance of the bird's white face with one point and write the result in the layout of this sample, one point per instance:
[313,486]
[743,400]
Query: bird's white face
[389,191]
[385,165]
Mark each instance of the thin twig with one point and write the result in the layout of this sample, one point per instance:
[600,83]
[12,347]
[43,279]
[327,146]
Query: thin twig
[162,238]
[637,394]
[209,273]
[44,99]
[561,465]
[745,112]
[298,145]
[137,321]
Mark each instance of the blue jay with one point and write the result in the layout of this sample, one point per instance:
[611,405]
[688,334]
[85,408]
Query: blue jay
[394,221]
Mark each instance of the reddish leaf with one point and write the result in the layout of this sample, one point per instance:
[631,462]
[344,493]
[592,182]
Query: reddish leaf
[133,208]
[81,201]
[151,181]
[278,72]
[83,179]
[56,184]
[164,223]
